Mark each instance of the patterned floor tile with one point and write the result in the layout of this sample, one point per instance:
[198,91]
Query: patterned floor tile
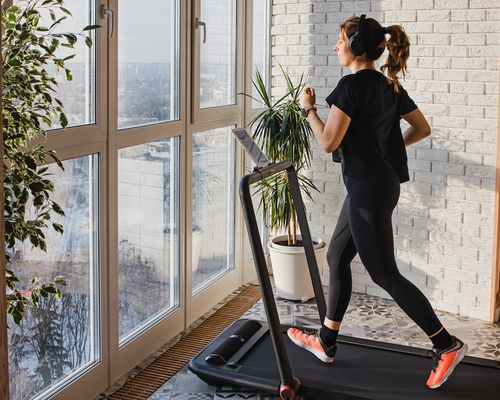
[164,392]
[492,350]
[256,312]
[353,331]
[285,309]
[378,310]
[305,309]
[192,396]
[188,383]
[235,394]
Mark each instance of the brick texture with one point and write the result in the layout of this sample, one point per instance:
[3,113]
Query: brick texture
[443,223]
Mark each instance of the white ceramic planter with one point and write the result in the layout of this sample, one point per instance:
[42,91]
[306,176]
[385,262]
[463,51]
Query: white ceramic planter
[290,270]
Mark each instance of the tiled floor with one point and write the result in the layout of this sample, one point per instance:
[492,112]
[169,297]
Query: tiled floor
[367,317]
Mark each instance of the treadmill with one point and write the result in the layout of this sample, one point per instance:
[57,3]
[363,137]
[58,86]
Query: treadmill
[260,356]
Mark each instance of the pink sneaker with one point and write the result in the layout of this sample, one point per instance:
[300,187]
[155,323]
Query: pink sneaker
[312,343]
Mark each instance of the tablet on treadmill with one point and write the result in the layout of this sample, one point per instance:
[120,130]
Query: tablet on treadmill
[251,147]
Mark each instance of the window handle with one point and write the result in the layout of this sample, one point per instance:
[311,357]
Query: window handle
[110,14]
[199,23]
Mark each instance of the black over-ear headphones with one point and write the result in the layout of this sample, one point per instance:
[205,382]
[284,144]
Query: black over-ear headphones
[356,41]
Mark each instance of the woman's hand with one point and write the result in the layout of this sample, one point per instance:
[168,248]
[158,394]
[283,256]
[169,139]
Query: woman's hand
[307,98]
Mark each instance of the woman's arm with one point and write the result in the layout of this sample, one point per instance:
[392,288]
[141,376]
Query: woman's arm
[329,135]
[419,127]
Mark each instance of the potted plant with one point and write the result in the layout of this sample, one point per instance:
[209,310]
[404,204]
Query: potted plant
[284,134]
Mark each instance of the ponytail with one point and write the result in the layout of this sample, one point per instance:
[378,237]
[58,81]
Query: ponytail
[373,34]
[398,47]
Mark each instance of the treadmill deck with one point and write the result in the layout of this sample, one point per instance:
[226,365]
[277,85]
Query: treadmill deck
[359,371]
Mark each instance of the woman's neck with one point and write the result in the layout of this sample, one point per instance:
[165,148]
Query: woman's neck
[359,65]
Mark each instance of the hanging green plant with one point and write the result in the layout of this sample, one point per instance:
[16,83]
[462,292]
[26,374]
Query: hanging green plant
[29,108]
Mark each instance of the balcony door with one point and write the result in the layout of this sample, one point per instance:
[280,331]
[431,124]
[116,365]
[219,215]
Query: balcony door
[172,168]
[147,173]
[214,267]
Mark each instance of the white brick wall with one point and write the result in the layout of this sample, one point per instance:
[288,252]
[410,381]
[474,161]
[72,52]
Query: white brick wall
[444,221]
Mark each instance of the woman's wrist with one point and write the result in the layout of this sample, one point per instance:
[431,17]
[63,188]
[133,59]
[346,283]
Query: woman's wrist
[306,110]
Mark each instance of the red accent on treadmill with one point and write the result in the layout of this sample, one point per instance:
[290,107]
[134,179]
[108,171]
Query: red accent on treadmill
[288,392]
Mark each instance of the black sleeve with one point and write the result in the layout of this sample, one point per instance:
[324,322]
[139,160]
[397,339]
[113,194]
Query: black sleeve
[406,104]
[343,97]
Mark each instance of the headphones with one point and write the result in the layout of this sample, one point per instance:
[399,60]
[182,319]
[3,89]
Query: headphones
[356,41]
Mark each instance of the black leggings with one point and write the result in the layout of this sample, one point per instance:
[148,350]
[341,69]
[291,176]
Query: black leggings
[365,227]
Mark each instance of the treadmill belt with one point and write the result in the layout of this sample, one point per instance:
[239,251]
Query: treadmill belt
[367,373]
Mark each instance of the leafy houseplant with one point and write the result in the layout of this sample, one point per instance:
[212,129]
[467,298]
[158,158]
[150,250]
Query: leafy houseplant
[285,134]
[29,108]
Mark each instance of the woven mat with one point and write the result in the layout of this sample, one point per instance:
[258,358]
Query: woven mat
[169,363]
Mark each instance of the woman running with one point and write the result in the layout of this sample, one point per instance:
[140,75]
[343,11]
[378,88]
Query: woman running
[363,132]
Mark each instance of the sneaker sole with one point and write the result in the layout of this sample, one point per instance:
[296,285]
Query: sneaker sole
[460,356]
[322,356]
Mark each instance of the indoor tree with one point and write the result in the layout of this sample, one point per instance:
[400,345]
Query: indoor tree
[31,41]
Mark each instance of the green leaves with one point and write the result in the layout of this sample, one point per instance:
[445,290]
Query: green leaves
[29,104]
[284,134]
[63,120]
[18,301]
[91,27]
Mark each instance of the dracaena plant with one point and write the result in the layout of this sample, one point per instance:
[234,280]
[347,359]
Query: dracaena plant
[284,134]
[31,41]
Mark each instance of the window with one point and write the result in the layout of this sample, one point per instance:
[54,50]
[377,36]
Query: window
[218,54]
[148,221]
[148,58]
[61,339]
[213,206]
[260,48]
[78,94]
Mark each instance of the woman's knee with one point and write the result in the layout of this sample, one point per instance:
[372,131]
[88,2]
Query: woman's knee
[385,280]
[333,256]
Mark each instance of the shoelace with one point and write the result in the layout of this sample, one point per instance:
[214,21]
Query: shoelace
[311,335]
[436,357]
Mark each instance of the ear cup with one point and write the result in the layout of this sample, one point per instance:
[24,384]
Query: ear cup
[356,41]
[356,45]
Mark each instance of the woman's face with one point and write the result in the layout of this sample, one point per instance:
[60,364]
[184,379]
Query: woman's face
[343,51]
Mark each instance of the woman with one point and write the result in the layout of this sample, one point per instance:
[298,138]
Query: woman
[363,131]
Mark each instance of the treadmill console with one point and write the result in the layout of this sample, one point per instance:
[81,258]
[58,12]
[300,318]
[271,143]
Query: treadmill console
[251,147]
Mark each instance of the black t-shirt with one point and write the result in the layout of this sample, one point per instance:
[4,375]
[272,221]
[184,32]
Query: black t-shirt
[373,146]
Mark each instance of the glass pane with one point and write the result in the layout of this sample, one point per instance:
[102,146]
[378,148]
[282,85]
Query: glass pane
[218,53]
[148,62]
[213,206]
[61,339]
[77,95]
[260,48]
[148,220]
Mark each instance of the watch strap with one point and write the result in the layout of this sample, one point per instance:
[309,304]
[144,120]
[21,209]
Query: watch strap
[305,111]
